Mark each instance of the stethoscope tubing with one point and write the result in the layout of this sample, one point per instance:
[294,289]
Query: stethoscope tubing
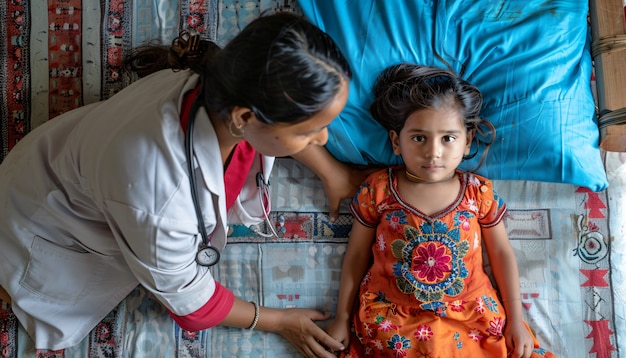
[206,241]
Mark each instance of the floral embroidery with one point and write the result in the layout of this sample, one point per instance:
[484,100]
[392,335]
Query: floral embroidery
[399,344]
[472,180]
[381,244]
[476,241]
[378,344]
[423,333]
[457,305]
[496,326]
[480,305]
[490,303]
[439,308]
[396,219]
[369,329]
[366,279]
[471,203]
[464,222]
[475,335]
[385,325]
[430,261]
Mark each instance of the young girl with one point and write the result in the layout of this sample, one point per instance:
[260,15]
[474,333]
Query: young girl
[413,283]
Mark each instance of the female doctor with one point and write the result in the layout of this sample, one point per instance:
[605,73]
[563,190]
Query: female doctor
[117,193]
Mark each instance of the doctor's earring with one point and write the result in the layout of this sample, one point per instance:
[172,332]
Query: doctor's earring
[239,129]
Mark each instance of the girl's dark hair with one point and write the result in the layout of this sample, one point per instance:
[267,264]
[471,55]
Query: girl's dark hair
[280,66]
[405,88]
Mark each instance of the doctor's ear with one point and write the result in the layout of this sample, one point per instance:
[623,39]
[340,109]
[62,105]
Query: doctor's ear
[241,116]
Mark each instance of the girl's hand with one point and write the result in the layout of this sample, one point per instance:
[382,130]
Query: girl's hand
[298,327]
[519,342]
[339,329]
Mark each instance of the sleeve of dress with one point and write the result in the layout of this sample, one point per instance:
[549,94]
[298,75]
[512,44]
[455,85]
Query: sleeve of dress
[364,206]
[491,206]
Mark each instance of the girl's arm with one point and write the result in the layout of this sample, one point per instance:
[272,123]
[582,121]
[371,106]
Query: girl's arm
[356,261]
[341,180]
[504,267]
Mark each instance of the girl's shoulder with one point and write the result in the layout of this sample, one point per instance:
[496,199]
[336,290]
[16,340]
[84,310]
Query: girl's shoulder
[379,176]
[476,181]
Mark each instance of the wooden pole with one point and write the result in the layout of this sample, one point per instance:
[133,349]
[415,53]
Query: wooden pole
[607,22]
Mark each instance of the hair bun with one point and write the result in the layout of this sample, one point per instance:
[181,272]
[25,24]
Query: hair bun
[186,51]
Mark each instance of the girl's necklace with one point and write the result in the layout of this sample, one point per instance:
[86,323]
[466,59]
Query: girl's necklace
[417,179]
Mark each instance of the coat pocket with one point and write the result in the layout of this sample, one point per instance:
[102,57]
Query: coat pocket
[61,274]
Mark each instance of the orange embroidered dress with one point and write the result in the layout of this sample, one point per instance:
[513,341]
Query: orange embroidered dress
[426,293]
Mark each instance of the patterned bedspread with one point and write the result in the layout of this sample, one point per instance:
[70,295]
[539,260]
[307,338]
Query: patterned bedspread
[568,247]
[569,241]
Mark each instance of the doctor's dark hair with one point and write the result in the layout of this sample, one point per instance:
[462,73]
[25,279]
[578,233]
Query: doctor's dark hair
[281,66]
[405,88]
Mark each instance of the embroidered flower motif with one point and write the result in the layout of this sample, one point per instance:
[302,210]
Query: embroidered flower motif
[399,344]
[471,203]
[366,279]
[476,242]
[369,329]
[423,333]
[381,243]
[438,308]
[457,305]
[496,326]
[464,222]
[480,305]
[490,303]
[396,219]
[385,325]
[472,180]
[378,344]
[475,335]
[431,262]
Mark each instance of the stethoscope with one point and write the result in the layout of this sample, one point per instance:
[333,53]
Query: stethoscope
[208,255]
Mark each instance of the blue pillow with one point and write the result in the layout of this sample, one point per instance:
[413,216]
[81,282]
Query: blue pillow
[529,58]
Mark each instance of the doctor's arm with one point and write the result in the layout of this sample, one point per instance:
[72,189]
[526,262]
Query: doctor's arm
[341,180]
[297,325]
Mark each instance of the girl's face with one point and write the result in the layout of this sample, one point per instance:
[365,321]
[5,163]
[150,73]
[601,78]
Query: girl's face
[432,143]
[287,139]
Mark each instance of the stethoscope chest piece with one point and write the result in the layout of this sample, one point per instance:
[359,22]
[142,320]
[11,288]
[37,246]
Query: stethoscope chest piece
[207,256]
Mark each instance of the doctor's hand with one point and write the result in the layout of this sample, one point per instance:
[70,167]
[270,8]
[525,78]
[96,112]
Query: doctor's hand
[341,180]
[342,183]
[298,326]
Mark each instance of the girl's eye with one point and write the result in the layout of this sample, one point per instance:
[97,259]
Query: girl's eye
[418,138]
[449,138]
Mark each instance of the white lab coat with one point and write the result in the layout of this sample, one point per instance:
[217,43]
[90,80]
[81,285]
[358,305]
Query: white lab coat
[97,201]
